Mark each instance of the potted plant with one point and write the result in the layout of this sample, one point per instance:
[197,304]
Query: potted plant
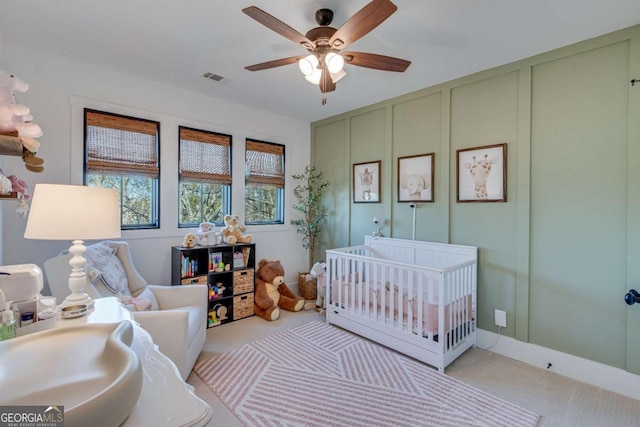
[308,191]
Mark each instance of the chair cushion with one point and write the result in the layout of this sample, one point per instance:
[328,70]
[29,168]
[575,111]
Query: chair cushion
[102,257]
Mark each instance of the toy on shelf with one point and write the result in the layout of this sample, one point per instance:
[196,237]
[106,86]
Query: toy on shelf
[207,234]
[233,231]
[12,187]
[17,132]
[189,240]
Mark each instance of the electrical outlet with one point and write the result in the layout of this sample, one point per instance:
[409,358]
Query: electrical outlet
[501,318]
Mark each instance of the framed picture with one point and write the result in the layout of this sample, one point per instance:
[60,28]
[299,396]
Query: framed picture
[415,178]
[482,174]
[366,182]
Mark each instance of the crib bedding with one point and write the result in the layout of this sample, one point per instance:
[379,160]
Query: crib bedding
[460,309]
[418,298]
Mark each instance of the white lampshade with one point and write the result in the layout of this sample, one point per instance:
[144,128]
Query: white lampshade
[315,76]
[72,212]
[334,62]
[308,64]
[77,213]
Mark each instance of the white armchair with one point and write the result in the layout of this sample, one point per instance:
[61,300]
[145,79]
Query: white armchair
[178,326]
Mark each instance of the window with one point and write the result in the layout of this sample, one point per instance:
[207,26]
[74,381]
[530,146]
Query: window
[264,190]
[205,177]
[122,153]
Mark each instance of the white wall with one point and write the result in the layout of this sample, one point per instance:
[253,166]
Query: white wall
[59,90]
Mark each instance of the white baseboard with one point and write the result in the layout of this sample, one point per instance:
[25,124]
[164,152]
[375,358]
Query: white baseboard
[577,368]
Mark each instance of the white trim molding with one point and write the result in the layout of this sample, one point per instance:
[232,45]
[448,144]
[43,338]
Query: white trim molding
[590,372]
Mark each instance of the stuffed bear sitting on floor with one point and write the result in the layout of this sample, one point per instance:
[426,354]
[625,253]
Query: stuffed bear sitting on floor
[272,294]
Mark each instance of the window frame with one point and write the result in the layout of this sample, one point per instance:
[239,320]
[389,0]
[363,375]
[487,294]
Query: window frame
[155,182]
[281,192]
[226,191]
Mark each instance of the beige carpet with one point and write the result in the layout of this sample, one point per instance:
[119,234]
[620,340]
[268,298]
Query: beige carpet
[319,375]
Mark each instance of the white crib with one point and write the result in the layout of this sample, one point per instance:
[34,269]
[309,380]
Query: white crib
[418,298]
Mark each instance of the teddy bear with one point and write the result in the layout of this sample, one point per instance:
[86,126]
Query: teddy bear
[189,240]
[319,271]
[272,293]
[414,183]
[207,234]
[233,230]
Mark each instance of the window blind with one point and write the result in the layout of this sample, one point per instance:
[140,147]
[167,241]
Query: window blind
[119,145]
[205,156]
[265,163]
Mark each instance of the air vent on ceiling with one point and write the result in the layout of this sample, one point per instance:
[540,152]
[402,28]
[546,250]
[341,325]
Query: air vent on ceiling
[212,76]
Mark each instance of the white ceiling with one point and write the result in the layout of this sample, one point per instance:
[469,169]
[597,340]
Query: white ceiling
[175,42]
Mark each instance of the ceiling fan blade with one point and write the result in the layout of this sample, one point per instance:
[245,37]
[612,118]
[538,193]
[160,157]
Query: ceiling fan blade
[278,26]
[377,62]
[273,64]
[326,82]
[365,20]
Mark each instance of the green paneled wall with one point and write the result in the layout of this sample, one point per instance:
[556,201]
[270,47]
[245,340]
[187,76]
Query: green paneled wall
[367,136]
[486,113]
[557,255]
[329,154]
[417,129]
[579,203]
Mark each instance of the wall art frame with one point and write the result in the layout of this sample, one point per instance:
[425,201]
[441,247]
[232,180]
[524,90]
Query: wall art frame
[482,174]
[415,178]
[366,182]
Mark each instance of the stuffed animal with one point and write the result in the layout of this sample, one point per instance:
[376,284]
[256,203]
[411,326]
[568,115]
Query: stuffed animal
[272,293]
[414,183]
[233,231]
[189,240]
[207,234]
[5,185]
[19,186]
[319,271]
[15,116]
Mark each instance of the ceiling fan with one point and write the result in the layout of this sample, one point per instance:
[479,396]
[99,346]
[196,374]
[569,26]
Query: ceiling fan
[323,65]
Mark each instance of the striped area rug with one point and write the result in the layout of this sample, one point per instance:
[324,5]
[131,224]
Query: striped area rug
[321,375]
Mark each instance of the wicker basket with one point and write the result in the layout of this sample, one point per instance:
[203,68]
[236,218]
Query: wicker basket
[307,288]
[243,306]
[243,281]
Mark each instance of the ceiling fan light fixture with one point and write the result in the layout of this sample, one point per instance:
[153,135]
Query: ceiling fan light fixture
[334,62]
[338,76]
[308,65]
[315,76]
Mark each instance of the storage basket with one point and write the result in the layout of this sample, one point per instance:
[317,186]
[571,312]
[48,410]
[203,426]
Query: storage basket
[242,306]
[243,281]
[307,286]
[200,280]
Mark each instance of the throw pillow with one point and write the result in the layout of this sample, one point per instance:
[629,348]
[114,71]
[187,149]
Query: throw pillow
[100,284]
[102,257]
